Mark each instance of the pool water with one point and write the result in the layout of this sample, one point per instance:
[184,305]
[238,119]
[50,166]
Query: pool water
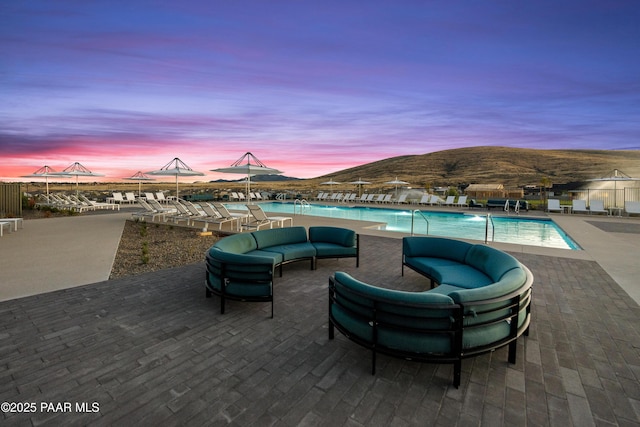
[516,230]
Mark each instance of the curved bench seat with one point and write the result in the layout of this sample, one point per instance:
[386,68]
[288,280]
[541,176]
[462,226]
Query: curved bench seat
[241,266]
[480,300]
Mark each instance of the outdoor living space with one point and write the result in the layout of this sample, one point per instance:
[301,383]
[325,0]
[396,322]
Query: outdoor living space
[150,349]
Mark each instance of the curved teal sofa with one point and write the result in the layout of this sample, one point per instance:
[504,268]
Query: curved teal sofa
[242,266]
[479,299]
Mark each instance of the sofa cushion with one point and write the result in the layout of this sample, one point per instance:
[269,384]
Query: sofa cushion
[337,236]
[511,281]
[331,249]
[275,256]
[435,247]
[280,236]
[293,251]
[463,276]
[430,265]
[237,243]
[492,262]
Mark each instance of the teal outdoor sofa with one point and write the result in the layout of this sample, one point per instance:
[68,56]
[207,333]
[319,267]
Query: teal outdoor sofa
[479,299]
[242,266]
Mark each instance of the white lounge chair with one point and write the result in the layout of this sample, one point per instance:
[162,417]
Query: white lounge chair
[449,201]
[224,212]
[597,206]
[149,196]
[363,198]
[215,217]
[387,198]
[435,200]
[462,201]
[424,200]
[579,206]
[260,218]
[632,208]
[402,199]
[160,197]
[553,205]
[116,198]
[379,198]
[130,197]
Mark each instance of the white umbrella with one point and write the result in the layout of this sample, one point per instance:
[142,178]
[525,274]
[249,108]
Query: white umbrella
[176,167]
[248,168]
[77,170]
[397,182]
[615,176]
[359,183]
[139,176]
[331,183]
[45,172]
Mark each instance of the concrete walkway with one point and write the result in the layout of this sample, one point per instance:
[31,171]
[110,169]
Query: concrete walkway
[57,253]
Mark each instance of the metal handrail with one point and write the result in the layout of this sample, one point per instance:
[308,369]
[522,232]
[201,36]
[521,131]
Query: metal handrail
[486,229]
[303,205]
[413,213]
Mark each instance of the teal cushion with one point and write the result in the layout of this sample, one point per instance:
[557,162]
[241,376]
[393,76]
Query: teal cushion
[463,276]
[430,265]
[237,243]
[253,257]
[492,262]
[512,280]
[242,288]
[324,249]
[293,251]
[275,256]
[280,236]
[335,235]
[436,247]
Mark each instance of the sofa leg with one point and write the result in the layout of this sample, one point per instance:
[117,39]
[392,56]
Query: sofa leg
[373,362]
[457,369]
[207,293]
[221,305]
[331,330]
[513,345]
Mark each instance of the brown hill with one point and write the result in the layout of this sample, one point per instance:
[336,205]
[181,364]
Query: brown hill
[508,166]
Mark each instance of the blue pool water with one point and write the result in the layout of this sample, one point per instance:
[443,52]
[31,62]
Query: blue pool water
[525,231]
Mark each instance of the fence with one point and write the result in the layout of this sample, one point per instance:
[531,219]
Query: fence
[612,198]
[10,200]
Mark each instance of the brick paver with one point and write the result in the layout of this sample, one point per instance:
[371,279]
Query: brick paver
[151,350]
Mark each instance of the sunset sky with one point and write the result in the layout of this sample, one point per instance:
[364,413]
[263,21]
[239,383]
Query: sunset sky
[310,87]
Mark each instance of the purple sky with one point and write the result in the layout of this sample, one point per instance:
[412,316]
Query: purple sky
[310,87]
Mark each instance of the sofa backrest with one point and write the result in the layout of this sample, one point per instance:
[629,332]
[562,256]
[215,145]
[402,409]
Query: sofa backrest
[492,262]
[437,247]
[237,243]
[335,235]
[280,236]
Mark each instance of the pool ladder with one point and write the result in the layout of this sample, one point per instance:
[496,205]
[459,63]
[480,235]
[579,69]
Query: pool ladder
[303,204]
[488,220]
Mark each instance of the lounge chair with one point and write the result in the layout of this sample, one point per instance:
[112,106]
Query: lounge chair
[379,199]
[553,205]
[160,197]
[149,212]
[402,199]
[579,206]
[99,205]
[449,201]
[632,208]
[387,198]
[261,219]
[363,198]
[116,198]
[424,200]
[435,200]
[130,197]
[597,206]
[462,201]
[474,204]
[215,217]
[149,196]
[351,198]
[224,213]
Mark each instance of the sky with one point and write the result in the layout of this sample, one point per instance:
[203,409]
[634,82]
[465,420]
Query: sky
[309,87]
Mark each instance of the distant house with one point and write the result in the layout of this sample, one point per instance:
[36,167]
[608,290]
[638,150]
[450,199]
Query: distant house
[485,191]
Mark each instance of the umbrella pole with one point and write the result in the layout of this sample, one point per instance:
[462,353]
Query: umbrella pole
[177,196]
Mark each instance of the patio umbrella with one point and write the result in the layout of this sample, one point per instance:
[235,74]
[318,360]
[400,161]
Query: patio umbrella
[615,176]
[45,172]
[77,170]
[248,168]
[176,167]
[397,182]
[331,183]
[139,176]
[359,183]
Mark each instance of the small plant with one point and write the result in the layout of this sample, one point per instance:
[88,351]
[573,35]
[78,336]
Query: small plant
[145,252]
[143,230]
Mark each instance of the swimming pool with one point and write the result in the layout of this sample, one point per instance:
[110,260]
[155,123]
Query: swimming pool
[516,230]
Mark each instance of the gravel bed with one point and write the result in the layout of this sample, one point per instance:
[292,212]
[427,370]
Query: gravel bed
[146,247]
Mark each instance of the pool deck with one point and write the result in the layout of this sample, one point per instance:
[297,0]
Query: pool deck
[151,349]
